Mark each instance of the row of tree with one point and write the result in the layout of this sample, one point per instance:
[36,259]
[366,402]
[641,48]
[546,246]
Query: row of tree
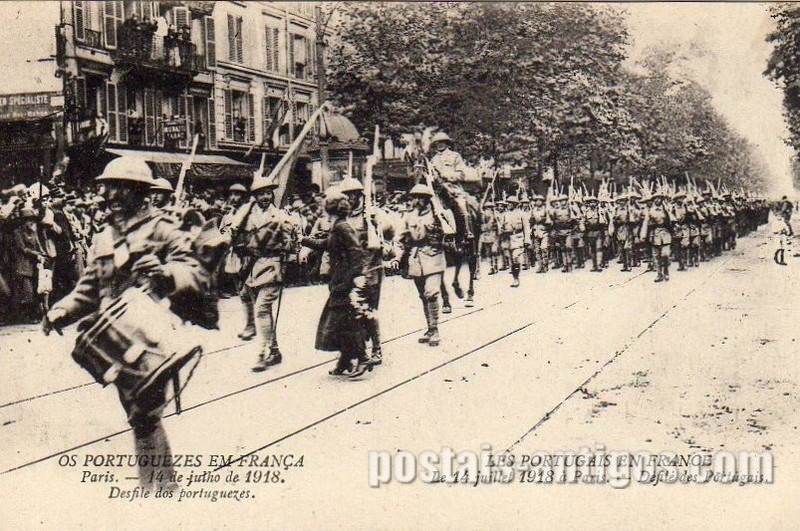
[547,85]
[784,69]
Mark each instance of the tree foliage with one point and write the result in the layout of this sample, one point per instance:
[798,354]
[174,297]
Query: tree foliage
[532,83]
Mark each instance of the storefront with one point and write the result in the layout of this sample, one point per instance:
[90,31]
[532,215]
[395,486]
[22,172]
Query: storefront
[31,136]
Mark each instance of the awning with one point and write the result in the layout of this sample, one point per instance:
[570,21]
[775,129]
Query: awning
[204,167]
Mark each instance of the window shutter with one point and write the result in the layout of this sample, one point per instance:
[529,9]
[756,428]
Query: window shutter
[190,119]
[111,109]
[149,117]
[212,124]
[291,68]
[239,36]
[266,116]
[79,19]
[180,16]
[183,115]
[211,44]
[122,113]
[80,96]
[147,10]
[276,50]
[159,110]
[228,115]
[231,38]
[268,49]
[251,119]
[110,22]
[309,59]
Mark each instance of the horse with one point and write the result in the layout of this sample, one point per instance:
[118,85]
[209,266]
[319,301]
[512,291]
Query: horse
[463,248]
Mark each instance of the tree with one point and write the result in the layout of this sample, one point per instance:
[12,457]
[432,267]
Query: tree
[783,67]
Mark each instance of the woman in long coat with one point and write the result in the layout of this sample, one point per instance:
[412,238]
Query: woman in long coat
[27,253]
[340,328]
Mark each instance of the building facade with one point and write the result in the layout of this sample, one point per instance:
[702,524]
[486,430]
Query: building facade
[150,76]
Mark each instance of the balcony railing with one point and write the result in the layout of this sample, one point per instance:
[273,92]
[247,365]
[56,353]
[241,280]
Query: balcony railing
[92,38]
[139,45]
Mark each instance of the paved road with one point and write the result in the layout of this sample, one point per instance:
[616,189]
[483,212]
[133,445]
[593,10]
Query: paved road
[702,363]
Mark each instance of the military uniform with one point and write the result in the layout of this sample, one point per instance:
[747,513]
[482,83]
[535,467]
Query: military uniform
[540,226]
[563,225]
[680,233]
[660,239]
[517,225]
[144,250]
[423,240]
[450,167]
[490,239]
[269,237]
[624,214]
[595,224]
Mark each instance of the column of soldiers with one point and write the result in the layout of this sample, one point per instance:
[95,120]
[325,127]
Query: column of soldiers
[658,228]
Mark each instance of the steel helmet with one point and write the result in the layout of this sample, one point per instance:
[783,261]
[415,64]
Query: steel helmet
[441,136]
[261,183]
[350,184]
[334,195]
[127,169]
[237,188]
[420,189]
[161,185]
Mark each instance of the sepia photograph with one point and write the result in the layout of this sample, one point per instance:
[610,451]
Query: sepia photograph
[399,265]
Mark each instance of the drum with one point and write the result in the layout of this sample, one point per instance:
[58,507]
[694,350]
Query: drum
[136,343]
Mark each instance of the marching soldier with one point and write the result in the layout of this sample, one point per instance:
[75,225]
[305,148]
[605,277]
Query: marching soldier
[367,292]
[657,222]
[269,237]
[516,224]
[623,215]
[525,209]
[563,225]
[694,219]
[145,248]
[161,193]
[680,230]
[424,248]
[595,224]
[578,230]
[503,236]
[706,233]
[239,260]
[540,222]
[490,235]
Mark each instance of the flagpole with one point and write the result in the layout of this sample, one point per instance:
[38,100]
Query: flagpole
[291,153]
[187,164]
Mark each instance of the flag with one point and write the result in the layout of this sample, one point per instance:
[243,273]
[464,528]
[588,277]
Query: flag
[281,172]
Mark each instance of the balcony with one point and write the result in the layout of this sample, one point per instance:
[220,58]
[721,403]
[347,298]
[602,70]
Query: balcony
[92,38]
[150,56]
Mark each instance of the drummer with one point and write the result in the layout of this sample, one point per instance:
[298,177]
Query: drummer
[149,249]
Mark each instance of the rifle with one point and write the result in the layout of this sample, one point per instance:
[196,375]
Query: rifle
[438,209]
[373,238]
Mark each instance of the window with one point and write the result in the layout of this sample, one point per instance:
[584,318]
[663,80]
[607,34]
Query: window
[79,19]
[272,48]
[210,41]
[153,134]
[212,124]
[116,106]
[272,114]
[301,52]
[235,39]
[112,19]
[240,124]
[180,17]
